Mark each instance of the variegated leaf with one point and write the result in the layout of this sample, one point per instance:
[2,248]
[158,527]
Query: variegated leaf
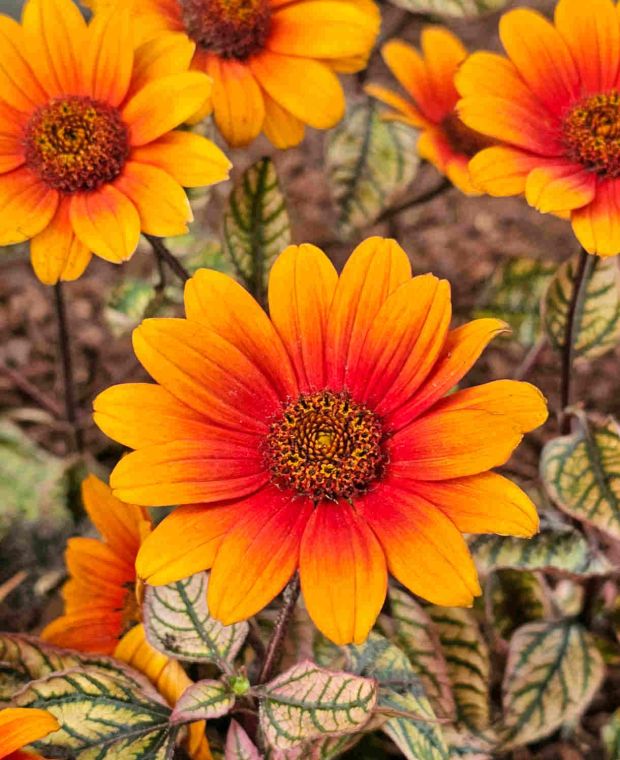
[417,637]
[401,690]
[597,319]
[557,547]
[25,658]
[370,162]
[326,748]
[256,225]
[514,598]
[610,734]
[581,473]
[552,674]
[462,744]
[307,702]
[100,716]
[456,8]
[239,745]
[178,623]
[203,700]
[514,295]
[467,657]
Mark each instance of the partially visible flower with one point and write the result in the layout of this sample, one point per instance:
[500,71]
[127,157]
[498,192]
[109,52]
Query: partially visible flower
[428,79]
[19,727]
[320,438]
[554,103]
[89,155]
[274,64]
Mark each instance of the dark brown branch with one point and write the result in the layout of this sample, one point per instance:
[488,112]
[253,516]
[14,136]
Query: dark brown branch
[531,358]
[67,367]
[163,253]
[419,200]
[291,594]
[27,388]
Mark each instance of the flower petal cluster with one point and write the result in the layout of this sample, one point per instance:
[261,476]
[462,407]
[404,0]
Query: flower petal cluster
[20,726]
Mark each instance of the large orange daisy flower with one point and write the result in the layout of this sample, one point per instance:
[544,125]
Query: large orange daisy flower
[273,62]
[88,155]
[21,726]
[319,438]
[428,79]
[555,103]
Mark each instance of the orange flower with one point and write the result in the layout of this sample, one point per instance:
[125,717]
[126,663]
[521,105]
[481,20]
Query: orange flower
[20,726]
[273,63]
[445,141]
[100,597]
[555,103]
[319,439]
[88,155]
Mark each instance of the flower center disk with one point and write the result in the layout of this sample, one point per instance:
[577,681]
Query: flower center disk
[228,28]
[462,139]
[325,446]
[592,133]
[76,144]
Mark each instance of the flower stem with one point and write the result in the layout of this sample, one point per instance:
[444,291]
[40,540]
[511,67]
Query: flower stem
[291,594]
[67,367]
[575,307]
[531,358]
[434,192]
[165,254]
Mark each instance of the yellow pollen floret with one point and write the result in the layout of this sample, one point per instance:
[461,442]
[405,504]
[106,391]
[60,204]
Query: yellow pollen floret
[592,133]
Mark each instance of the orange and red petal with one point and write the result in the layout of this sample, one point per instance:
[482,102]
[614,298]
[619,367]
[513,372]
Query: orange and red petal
[403,343]
[56,253]
[106,222]
[591,32]
[168,53]
[343,573]
[189,472]
[485,503]
[503,171]
[185,542]
[457,171]
[403,108]
[20,726]
[27,204]
[143,414]
[597,225]
[265,542]
[206,372]
[375,269]
[109,56]
[161,202]
[560,186]
[302,283]
[240,320]
[192,160]
[443,54]
[19,85]
[90,630]
[460,352]
[306,88]
[410,70]
[238,105]
[423,548]
[91,562]
[281,128]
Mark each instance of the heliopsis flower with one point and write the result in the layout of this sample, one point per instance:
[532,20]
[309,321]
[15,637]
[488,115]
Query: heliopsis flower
[88,152]
[555,104]
[319,438]
[101,598]
[273,64]
[428,79]
[20,726]
[102,605]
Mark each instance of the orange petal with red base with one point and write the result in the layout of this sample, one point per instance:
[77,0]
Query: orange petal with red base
[109,56]
[343,573]
[503,171]
[597,225]
[302,283]
[281,128]
[264,543]
[560,187]
[19,86]
[443,54]
[410,70]
[89,630]
[27,204]
[20,726]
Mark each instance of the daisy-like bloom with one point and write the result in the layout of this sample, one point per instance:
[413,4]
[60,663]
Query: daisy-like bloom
[20,726]
[319,438]
[101,596]
[554,103]
[428,80]
[88,152]
[273,63]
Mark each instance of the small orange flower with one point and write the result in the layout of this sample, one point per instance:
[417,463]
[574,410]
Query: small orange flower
[555,104]
[429,80]
[20,726]
[88,152]
[320,439]
[273,63]
[100,597]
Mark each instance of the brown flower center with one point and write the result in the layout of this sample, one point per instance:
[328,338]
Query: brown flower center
[131,613]
[592,133]
[325,446]
[76,143]
[462,139]
[228,28]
